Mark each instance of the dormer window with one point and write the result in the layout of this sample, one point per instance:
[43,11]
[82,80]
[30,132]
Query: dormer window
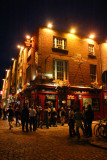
[59,43]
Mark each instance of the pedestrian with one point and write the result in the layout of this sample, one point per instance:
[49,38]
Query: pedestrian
[25,118]
[54,117]
[0,112]
[78,121]
[89,116]
[71,122]
[62,114]
[32,115]
[10,117]
[46,117]
[17,114]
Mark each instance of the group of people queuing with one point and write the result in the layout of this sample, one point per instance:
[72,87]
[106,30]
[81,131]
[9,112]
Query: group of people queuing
[83,120]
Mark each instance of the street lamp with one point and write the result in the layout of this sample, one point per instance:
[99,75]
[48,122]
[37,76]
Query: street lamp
[73,31]
[49,25]
[92,36]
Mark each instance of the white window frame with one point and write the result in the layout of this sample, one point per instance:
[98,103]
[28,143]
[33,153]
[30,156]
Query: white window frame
[59,43]
[64,68]
[91,49]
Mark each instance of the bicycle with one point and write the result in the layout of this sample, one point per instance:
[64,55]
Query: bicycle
[97,126]
[100,129]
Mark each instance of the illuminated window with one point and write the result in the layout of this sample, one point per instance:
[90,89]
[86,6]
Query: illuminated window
[93,72]
[59,43]
[91,50]
[60,70]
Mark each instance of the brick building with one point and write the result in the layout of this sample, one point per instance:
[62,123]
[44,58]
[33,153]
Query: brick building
[61,69]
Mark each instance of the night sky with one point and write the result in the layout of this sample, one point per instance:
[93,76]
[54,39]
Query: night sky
[19,17]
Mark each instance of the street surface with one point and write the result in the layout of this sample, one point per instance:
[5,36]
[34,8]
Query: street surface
[45,144]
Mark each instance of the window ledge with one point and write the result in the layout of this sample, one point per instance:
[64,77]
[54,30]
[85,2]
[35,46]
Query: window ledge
[91,56]
[60,50]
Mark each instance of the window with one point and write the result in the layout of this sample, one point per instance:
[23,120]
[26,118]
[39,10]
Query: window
[59,43]
[60,70]
[93,72]
[91,50]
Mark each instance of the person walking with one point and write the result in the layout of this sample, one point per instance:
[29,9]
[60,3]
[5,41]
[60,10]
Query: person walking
[89,116]
[25,118]
[17,114]
[32,115]
[62,113]
[78,121]
[10,117]
[71,123]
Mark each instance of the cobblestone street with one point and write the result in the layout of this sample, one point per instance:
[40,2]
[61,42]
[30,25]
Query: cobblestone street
[45,144]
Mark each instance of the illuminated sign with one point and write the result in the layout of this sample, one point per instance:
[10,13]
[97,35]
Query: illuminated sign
[70,97]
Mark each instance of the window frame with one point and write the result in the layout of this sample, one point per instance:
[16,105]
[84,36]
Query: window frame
[93,76]
[91,49]
[62,69]
[57,42]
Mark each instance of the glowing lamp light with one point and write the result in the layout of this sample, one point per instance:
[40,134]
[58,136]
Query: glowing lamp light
[92,36]
[27,37]
[18,46]
[12,59]
[72,31]
[49,25]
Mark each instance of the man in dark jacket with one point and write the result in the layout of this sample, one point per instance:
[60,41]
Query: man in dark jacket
[89,116]
[25,118]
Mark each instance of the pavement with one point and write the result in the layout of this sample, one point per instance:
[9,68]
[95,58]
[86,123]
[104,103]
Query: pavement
[48,144]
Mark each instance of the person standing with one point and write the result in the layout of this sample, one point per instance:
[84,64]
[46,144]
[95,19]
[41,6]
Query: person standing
[25,118]
[62,116]
[71,123]
[89,116]
[10,117]
[17,114]
[78,121]
[32,115]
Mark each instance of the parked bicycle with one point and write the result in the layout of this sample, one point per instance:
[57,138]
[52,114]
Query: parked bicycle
[100,129]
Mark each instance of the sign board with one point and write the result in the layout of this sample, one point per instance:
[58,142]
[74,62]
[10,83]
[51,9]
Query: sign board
[70,97]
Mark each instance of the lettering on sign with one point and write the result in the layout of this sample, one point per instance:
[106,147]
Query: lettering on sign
[70,97]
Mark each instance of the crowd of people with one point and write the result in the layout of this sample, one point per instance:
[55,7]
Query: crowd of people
[31,118]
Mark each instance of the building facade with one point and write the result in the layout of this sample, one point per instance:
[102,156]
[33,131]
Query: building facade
[61,69]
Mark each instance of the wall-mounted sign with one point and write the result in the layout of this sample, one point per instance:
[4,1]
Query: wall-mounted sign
[50,97]
[70,97]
